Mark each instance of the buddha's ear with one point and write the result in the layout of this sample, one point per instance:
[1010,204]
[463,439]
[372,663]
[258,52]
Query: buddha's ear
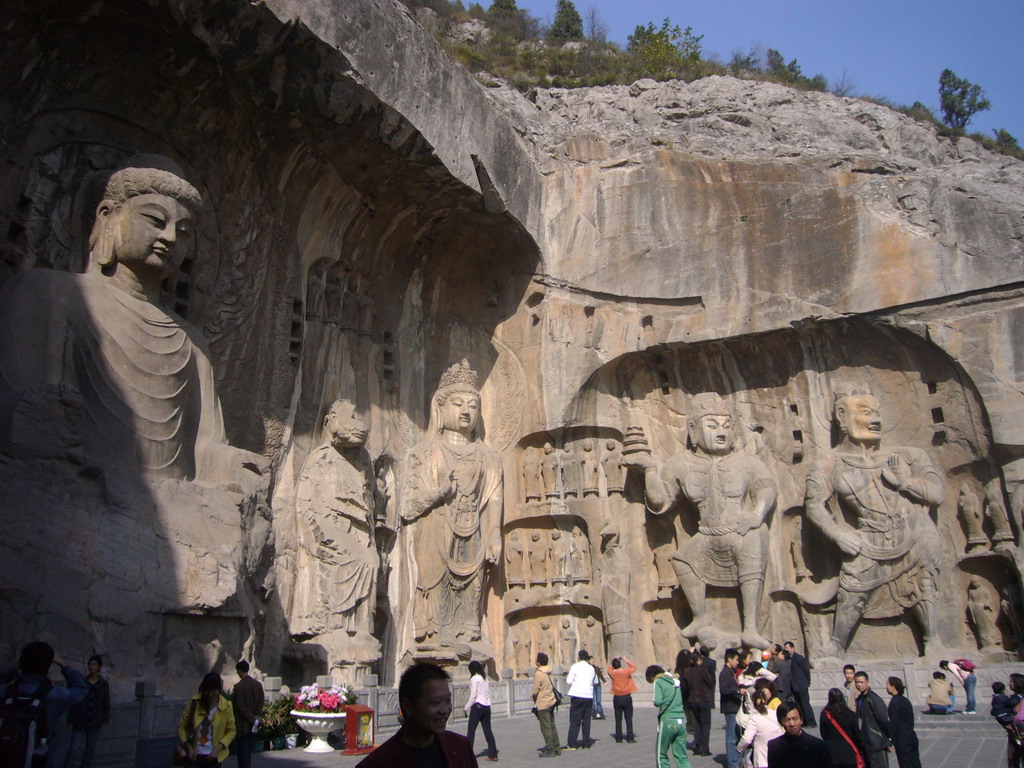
[101,242]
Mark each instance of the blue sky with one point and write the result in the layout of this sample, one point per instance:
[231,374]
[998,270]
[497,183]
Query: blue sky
[895,48]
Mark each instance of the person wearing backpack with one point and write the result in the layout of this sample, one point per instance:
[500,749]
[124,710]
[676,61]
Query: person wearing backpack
[207,726]
[963,670]
[31,705]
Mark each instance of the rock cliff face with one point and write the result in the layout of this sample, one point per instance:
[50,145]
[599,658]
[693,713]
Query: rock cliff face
[599,257]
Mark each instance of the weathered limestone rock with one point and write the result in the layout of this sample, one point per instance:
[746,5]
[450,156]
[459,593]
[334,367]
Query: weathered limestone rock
[600,256]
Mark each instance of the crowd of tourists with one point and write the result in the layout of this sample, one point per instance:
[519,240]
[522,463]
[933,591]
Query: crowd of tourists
[32,709]
[763,699]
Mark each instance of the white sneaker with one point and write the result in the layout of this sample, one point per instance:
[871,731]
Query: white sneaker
[970,712]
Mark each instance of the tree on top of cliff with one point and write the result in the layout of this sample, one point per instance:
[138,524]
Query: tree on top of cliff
[666,52]
[568,24]
[959,100]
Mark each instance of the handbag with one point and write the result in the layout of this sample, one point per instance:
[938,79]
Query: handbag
[178,756]
[856,752]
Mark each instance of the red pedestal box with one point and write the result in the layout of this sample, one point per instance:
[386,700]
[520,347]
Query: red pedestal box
[360,730]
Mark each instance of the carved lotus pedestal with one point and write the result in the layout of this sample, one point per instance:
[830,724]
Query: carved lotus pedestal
[319,725]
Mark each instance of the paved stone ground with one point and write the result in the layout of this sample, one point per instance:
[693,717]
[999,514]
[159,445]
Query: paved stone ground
[958,741]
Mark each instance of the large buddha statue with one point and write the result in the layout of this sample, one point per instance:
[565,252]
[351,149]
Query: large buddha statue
[891,552]
[733,493]
[94,365]
[452,504]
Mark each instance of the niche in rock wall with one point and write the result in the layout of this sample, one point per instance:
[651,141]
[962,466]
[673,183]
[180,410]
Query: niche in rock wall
[781,388]
[561,632]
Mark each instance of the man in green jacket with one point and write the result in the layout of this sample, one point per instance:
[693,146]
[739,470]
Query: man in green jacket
[669,701]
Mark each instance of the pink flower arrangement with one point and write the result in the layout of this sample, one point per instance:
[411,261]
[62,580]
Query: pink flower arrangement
[313,698]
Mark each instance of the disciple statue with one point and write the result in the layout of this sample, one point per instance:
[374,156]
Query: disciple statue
[532,481]
[995,511]
[983,608]
[611,463]
[588,468]
[538,559]
[452,505]
[733,493]
[549,471]
[514,560]
[556,556]
[892,551]
[970,513]
[567,642]
[570,474]
[95,363]
[337,555]
[579,556]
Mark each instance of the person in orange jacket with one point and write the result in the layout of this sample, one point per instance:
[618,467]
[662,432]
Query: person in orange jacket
[621,674]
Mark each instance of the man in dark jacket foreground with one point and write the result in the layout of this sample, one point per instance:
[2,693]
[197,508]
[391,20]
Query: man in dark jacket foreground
[874,723]
[795,748]
[425,698]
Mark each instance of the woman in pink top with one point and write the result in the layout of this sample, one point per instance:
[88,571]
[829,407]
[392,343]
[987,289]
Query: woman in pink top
[478,707]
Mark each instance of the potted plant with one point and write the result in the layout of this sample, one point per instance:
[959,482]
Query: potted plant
[319,711]
[277,723]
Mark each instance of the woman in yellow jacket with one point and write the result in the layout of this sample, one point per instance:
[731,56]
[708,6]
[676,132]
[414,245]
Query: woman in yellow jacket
[207,725]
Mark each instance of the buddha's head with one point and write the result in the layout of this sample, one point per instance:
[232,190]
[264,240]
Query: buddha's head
[145,221]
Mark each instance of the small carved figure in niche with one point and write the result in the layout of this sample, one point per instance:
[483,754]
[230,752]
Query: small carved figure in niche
[549,471]
[533,483]
[970,513]
[579,556]
[611,463]
[570,475]
[995,511]
[567,642]
[520,640]
[452,500]
[981,605]
[891,557]
[538,560]
[1010,601]
[796,550]
[588,466]
[333,293]
[96,361]
[546,639]
[514,560]
[557,557]
[733,493]
[315,291]
[338,561]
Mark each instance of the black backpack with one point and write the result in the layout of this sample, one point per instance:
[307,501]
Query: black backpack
[23,725]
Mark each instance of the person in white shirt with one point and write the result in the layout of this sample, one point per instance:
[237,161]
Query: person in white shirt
[478,707]
[581,679]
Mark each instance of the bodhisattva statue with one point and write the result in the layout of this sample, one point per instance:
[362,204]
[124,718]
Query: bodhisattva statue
[733,493]
[452,503]
[338,561]
[891,556]
[95,363]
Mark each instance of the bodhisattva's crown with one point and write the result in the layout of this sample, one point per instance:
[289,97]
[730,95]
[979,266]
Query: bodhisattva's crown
[460,373]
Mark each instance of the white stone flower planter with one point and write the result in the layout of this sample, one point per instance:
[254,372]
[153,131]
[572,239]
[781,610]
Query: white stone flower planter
[318,725]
